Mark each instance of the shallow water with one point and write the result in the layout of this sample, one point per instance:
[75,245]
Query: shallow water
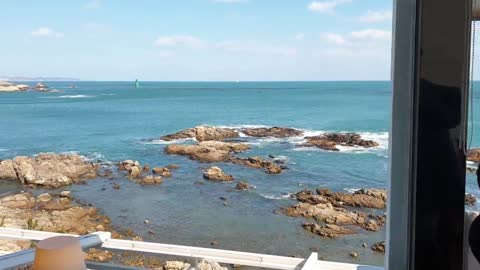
[110,121]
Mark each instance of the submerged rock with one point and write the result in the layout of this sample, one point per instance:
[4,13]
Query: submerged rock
[10,87]
[7,170]
[165,172]
[243,186]
[151,180]
[334,208]
[203,133]
[48,170]
[216,174]
[47,212]
[276,132]
[329,141]
[176,265]
[328,230]
[172,166]
[258,162]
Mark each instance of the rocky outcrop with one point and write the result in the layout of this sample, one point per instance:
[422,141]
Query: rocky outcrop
[473,155]
[212,151]
[328,230]
[203,133]
[165,172]
[369,198]
[470,199]
[327,213]
[379,247]
[334,208]
[150,180]
[372,226]
[216,174]
[210,265]
[10,87]
[135,172]
[7,170]
[176,265]
[207,133]
[276,132]
[46,212]
[329,141]
[48,170]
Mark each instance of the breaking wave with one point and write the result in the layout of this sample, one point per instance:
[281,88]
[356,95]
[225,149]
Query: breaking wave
[380,137]
[287,196]
[73,96]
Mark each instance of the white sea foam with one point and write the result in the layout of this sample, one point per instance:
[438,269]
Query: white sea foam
[72,96]
[159,141]
[287,196]
[351,190]
[108,94]
[380,137]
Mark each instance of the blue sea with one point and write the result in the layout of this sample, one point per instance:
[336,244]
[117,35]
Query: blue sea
[113,121]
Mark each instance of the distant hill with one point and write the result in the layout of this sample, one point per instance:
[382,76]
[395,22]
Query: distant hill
[36,79]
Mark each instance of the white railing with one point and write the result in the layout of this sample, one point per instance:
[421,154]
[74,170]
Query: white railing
[104,240]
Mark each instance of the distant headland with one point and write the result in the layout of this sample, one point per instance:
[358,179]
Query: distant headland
[36,79]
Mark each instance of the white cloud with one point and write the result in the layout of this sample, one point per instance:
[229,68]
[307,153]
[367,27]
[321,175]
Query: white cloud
[254,47]
[363,38]
[93,4]
[181,41]
[376,16]
[334,38]
[326,6]
[46,32]
[371,34]
[300,36]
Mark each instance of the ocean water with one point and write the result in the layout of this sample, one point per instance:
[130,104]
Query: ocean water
[112,121]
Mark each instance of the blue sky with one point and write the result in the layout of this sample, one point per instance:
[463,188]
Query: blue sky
[200,40]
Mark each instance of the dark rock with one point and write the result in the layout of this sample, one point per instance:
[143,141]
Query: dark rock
[258,162]
[329,141]
[276,132]
[470,199]
[242,186]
